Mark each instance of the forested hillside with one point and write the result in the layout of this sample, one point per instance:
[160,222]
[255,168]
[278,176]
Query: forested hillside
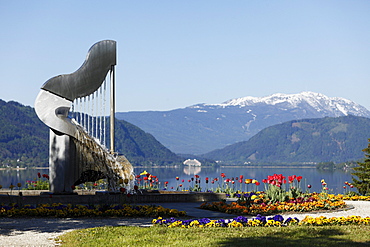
[24,140]
[142,148]
[23,137]
[336,139]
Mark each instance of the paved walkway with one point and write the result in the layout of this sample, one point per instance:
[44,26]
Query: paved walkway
[42,231]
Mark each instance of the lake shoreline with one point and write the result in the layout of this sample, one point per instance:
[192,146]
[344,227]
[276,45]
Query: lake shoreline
[23,168]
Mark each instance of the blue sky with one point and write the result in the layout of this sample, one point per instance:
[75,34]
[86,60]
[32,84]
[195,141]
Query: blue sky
[173,54]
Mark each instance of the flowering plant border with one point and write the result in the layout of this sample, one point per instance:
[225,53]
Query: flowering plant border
[66,211]
[261,221]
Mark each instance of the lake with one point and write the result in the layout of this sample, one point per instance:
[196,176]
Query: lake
[334,179]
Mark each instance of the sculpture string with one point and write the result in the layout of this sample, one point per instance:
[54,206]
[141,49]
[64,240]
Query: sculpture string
[77,137]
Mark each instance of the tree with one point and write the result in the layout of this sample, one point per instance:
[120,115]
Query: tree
[362,171]
[326,165]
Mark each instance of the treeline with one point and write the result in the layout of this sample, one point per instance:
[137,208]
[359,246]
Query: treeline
[339,166]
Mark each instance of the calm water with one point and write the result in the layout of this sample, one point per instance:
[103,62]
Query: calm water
[312,176]
[8,177]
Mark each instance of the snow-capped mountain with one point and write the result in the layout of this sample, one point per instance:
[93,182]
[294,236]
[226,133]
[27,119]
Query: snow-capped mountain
[202,128]
[336,106]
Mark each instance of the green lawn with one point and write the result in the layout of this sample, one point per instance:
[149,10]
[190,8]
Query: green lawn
[309,236]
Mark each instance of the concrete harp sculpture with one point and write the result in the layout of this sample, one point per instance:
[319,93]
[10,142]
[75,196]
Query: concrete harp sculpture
[77,139]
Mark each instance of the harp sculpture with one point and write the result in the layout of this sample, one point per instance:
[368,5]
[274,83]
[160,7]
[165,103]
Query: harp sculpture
[73,106]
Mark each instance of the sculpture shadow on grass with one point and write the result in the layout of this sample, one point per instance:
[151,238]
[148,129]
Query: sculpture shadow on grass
[301,236]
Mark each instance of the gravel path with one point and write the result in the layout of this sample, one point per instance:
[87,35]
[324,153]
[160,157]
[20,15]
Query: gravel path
[42,231]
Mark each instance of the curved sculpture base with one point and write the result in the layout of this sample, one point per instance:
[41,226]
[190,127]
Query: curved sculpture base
[75,161]
[62,163]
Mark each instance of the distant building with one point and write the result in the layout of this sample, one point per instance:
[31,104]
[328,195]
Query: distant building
[193,162]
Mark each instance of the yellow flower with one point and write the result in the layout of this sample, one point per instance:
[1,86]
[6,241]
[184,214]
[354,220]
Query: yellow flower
[235,224]
[212,223]
[144,173]
[194,223]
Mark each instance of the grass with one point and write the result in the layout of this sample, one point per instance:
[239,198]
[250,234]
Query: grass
[350,235]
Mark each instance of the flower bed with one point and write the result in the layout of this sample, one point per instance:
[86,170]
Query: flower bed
[259,205]
[324,221]
[261,221]
[65,211]
[354,198]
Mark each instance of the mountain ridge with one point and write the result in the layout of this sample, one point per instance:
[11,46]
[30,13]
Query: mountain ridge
[201,128]
[315,100]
